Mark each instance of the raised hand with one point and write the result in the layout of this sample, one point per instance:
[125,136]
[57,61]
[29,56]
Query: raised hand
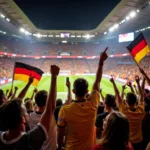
[124,87]
[137,79]
[35,90]
[68,84]
[31,79]
[129,84]
[54,70]
[112,80]
[103,55]
[16,88]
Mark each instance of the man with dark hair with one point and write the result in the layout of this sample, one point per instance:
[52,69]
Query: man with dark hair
[134,112]
[109,102]
[13,115]
[34,118]
[59,102]
[131,99]
[77,120]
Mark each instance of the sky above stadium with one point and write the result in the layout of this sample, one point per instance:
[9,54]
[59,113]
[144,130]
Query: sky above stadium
[67,14]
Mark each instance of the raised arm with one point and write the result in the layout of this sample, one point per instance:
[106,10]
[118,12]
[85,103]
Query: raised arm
[25,89]
[123,89]
[136,90]
[10,94]
[141,93]
[14,94]
[51,101]
[7,91]
[145,76]
[119,100]
[69,96]
[129,84]
[102,96]
[103,57]
[34,91]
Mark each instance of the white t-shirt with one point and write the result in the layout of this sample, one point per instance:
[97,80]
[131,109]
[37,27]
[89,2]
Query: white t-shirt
[51,142]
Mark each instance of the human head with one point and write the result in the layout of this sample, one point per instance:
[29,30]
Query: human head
[109,101]
[13,115]
[41,98]
[131,99]
[59,102]
[116,131]
[3,98]
[28,104]
[80,87]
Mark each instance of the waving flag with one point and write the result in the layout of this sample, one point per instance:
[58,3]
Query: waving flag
[23,72]
[139,48]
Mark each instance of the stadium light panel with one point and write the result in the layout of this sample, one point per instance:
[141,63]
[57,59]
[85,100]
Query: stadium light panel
[111,29]
[87,36]
[132,14]
[116,26]
[73,36]
[105,33]
[8,19]
[2,16]
[4,32]
[22,30]
[78,36]
[127,18]
[38,35]
[57,35]
[64,41]
[138,10]
[50,36]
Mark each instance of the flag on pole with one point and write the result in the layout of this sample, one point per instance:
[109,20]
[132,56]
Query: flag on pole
[138,48]
[23,72]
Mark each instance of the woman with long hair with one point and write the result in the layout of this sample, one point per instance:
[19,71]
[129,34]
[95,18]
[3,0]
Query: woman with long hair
[116,133]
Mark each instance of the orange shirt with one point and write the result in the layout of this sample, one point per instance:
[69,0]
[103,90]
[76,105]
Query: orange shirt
[79,120]
[135,120]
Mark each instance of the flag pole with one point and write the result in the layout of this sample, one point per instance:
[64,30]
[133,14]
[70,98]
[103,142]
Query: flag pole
[13,76]
[133,58]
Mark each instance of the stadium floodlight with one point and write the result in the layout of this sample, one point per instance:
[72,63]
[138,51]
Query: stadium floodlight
[87,36]
[92,36]
[116,26]
[2,16]
[105,33]
[50,36]
[4,32]
[111,29]
[64,41]
[22,30]
[8,19]
[132,14]
[39,35]
[138,10]
[73,36]
[57,35]
[78,36]
[127,18]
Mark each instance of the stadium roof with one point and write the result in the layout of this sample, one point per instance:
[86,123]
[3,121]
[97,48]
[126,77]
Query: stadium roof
[19,20]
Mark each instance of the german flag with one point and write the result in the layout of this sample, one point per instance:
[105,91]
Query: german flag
[139,48]
[23,72]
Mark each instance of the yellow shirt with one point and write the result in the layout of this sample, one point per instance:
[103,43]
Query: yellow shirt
[135,120]
[79,120]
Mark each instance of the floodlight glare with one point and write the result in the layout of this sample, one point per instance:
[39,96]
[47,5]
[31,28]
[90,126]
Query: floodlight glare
[132,14]
[116,26]
[64,41]
[105,33]
[138,10]
[22,30]
[2,16]
[87,36]
[127,18]
[111,29]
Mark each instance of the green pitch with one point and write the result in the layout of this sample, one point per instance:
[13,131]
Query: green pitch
[44,84]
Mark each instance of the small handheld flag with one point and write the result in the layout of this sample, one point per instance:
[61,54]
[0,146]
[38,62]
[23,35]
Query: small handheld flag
[138,48]
[23,72]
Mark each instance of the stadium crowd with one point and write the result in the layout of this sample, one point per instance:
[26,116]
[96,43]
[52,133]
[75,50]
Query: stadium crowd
[89,122]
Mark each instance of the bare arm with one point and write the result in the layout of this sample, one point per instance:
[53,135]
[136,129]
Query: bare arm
[141,94]
[102,96]
[51,101]
[145,76]
[103,57]
[122,94]
[119,100]
[131,87]
[136,90]
[25,89]
[7,91]
[69,97]
[34,91]
[14,94]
